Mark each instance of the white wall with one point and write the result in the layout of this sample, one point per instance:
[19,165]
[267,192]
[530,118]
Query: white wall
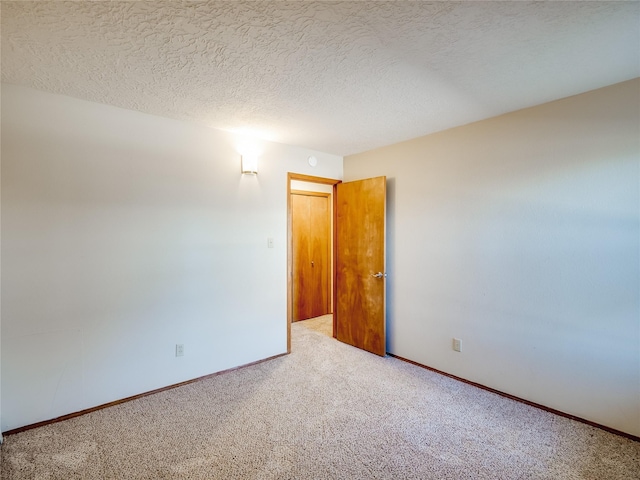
[1,437]
[520,235]
[124,234]
[311,187]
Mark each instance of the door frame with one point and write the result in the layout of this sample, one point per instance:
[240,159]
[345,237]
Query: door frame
[324,181]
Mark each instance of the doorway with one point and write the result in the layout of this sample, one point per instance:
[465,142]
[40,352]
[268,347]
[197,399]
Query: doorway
[358,260]
[303,191]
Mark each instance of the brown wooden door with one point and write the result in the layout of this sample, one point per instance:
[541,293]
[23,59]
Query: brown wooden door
[360,256]
[310,224]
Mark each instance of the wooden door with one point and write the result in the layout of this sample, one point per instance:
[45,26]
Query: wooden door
[310,224]
[360,264]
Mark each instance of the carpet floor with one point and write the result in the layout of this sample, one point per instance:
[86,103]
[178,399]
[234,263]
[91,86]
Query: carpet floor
[327,411]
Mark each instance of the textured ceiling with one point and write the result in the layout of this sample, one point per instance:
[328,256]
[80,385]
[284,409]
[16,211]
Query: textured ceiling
[340,77]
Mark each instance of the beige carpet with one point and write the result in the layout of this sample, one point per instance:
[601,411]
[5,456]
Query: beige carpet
[323,324]
[327,411]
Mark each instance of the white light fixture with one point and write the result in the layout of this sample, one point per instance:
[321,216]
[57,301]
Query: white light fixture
[249,164]
[313,161]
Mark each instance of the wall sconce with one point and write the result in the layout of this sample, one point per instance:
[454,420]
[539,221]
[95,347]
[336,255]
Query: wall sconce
[249,164]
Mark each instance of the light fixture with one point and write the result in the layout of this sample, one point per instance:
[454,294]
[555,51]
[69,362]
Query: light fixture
[249,164]
[313,161]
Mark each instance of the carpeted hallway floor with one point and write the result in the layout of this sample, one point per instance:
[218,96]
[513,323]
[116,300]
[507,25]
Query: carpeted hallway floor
[327,411]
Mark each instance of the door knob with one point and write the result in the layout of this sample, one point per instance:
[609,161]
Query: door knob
[379,275]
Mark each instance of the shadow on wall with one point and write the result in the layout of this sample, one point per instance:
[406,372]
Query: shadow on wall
[390,260]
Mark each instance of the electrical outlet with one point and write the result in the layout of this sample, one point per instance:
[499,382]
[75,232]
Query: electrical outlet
[179,350]
[456,344]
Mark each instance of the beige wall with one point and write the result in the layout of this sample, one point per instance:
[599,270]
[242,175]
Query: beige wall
[520,236]
[124,234]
